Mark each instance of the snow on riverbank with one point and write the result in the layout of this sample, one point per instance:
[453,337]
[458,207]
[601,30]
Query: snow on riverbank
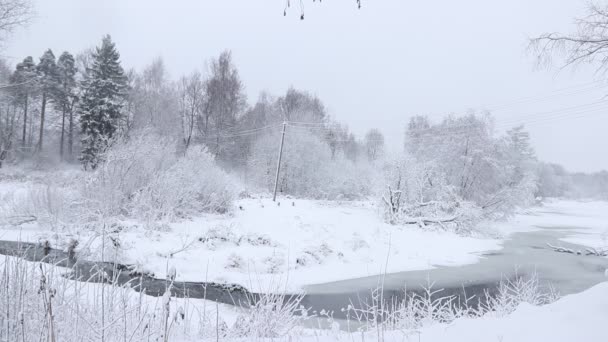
[301,242]
[295,243]
[579,317]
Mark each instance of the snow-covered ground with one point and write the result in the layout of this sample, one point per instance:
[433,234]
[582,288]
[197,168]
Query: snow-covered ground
[295,243]
[298,242]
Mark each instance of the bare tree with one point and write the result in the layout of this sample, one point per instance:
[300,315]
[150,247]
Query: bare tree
[191,98]
[588,44]
[14,14]
[374,144]
[155,100]
[225,99]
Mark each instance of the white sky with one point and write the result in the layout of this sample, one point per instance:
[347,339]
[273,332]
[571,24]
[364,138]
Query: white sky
[374,67]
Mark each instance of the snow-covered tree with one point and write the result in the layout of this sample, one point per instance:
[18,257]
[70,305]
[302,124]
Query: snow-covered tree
[155,100]
[307,168]
[66,99]
[458,171]
[301,106]
[101,102]
[553,180]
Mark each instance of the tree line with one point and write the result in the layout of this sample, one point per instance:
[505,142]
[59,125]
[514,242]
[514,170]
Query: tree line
[73,107]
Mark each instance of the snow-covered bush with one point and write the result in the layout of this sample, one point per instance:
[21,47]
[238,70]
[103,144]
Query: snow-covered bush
[430,305]
[193,184]
[308,168]
[457,173]
[417,194]
[144,177]
[270,315]
[235,261]
[128,167]
[513,292]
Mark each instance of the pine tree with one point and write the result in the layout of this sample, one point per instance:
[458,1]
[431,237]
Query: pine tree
[48,80]
[24,78]
[101,103]
[66,97]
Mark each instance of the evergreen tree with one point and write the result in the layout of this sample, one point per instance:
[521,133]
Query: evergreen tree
[66,97]
[101,103]
[48,80]
[24,79]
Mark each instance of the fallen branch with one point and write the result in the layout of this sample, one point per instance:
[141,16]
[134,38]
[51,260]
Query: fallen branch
[429,220]
[588,251]
[562,249]
[597,252]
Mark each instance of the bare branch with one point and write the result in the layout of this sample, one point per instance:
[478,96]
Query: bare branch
[587,45]
[14,14]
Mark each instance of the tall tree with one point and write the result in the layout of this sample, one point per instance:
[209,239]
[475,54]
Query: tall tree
[101,102]
[8,113]
[302,106]
[24,79]
[66,98]
[191,100]
[48,79]
[374,144]
[225,99]
[155,100]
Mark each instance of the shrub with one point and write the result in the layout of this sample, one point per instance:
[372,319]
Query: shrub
[145,178]
[193,184]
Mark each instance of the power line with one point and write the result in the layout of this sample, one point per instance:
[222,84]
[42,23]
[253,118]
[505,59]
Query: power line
[4,86]
[557,93]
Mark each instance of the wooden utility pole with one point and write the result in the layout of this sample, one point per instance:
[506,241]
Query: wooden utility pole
[276,180]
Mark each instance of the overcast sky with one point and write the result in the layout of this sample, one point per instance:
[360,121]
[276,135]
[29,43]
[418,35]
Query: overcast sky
[373,67]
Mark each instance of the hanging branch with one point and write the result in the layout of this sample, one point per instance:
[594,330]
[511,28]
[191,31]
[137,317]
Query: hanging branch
[288,5]
[588,44]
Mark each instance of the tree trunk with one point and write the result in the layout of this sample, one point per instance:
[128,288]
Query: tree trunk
[24,120]
[71,134]
[62,131]
[42,110]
